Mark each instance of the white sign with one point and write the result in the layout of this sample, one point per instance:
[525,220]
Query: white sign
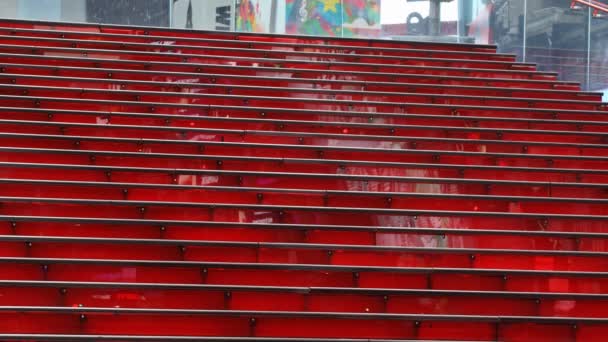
[215,15]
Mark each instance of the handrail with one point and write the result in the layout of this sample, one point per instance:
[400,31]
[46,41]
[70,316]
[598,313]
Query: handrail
[596,5]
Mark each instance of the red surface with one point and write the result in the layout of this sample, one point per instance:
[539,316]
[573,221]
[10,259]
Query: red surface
[295,187]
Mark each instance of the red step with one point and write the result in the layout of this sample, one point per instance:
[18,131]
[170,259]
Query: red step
[164,184]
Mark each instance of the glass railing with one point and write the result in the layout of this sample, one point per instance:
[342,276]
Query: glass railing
[547,32]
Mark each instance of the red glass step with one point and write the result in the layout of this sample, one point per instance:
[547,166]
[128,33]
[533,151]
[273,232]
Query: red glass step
[480,238]
[247,52]
[414,140]
[283,196]
[418,51]
[295,253]
[209,297]
[418,127]
[310,214]
[256,37]
[455,67]
[315,275]
[220,150]
[135,79]
[439,75]
[155,137]
[278,323]
[273,172]
[287,90]
[133,101]
[250,186]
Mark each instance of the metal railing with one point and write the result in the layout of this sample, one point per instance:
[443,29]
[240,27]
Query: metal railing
[597,6]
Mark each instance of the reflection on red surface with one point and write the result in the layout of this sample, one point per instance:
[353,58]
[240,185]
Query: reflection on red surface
[292,187]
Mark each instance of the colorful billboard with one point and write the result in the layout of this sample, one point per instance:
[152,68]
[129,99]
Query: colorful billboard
[255,15]
[314,17]
[361,18]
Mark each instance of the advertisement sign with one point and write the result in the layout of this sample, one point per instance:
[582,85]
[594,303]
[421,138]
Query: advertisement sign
[255,15]
[314,17]
[216,15]
[361,18]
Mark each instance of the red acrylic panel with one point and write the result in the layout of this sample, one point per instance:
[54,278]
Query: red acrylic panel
[301,186]
[124,78]
[292,89]
[429,75]
[287,44]
[524,332]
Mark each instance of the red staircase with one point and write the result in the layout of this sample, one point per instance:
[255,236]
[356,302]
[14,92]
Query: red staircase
[179,185]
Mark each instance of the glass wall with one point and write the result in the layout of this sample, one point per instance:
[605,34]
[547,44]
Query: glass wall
[548,32]
[598,57]
[557,38]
